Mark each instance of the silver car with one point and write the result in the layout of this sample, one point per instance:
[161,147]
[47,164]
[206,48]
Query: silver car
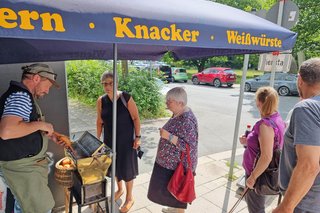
[284,83]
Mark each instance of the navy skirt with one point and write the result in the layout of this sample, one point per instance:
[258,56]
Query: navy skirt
[158,192]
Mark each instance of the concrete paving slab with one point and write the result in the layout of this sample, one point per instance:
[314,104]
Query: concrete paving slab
[204,160]
[212,185]
[202,205]
[223,198]
[155,208]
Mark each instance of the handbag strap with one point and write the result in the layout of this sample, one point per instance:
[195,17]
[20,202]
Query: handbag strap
[123,100]
[189,164]
[274,125]
[277,138]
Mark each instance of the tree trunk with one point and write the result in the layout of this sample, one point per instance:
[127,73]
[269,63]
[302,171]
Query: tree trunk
[200,64]
[124,68]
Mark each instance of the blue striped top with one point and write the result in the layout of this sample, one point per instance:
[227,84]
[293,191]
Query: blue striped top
[18,104]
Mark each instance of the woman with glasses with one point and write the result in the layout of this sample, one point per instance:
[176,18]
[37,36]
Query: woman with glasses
[179,132]
[128,135]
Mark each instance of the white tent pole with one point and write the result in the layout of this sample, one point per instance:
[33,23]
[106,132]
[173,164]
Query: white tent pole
[275,56]
[114,125]
[239,109]
[273,68]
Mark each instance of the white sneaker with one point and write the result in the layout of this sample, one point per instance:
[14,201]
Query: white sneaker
[169,210]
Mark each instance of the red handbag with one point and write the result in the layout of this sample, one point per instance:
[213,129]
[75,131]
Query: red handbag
[181,184]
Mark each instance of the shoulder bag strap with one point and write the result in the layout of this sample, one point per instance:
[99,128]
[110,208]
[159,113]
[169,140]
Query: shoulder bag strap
[123,100]
[188,156]
[276,141]
[274,125]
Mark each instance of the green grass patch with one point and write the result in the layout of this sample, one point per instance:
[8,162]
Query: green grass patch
[231,178]
[234,166]
[191,72]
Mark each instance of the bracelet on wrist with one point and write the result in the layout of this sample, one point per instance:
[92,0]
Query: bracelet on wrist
[170,138]
[138,136]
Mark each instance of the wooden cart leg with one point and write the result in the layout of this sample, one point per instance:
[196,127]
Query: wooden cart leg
[67,198]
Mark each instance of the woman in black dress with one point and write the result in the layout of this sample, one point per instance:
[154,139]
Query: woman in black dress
[128,136]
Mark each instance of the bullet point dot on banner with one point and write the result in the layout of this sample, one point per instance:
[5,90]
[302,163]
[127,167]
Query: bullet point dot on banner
[91,25]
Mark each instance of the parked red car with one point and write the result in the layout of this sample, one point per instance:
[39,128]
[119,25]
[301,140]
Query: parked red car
[216,76]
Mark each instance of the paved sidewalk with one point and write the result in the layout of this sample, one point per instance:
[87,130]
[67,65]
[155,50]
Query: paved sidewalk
[214,192]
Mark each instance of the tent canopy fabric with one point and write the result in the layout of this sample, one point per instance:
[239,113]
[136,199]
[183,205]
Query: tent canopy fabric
[33,30]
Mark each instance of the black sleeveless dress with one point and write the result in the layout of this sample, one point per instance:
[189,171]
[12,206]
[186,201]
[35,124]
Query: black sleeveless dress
[126,158]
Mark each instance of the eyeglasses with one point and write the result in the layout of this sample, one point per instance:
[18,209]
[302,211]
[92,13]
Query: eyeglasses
[107,84]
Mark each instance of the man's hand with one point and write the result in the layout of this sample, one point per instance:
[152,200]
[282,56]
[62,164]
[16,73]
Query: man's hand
[46,127]
[55,139]
[62,140]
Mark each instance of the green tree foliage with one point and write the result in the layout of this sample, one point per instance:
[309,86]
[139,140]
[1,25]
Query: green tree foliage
[236,61]
[84,79]
[200,64]
[246,5]
[145,92]
[308,28]
[84,84]
[169,59]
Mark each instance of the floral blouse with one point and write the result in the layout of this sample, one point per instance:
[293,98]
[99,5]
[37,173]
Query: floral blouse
[185,127]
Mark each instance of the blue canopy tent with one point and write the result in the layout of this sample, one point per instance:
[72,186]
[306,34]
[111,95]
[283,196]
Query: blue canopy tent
[46,30]
[77,29]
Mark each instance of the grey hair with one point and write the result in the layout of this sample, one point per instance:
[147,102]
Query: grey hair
[106,75]
[310,71]
[177,94]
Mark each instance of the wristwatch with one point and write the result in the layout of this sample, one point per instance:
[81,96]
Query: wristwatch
[138,136]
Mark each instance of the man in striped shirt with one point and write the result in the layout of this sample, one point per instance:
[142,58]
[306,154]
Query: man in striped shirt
[24,139]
